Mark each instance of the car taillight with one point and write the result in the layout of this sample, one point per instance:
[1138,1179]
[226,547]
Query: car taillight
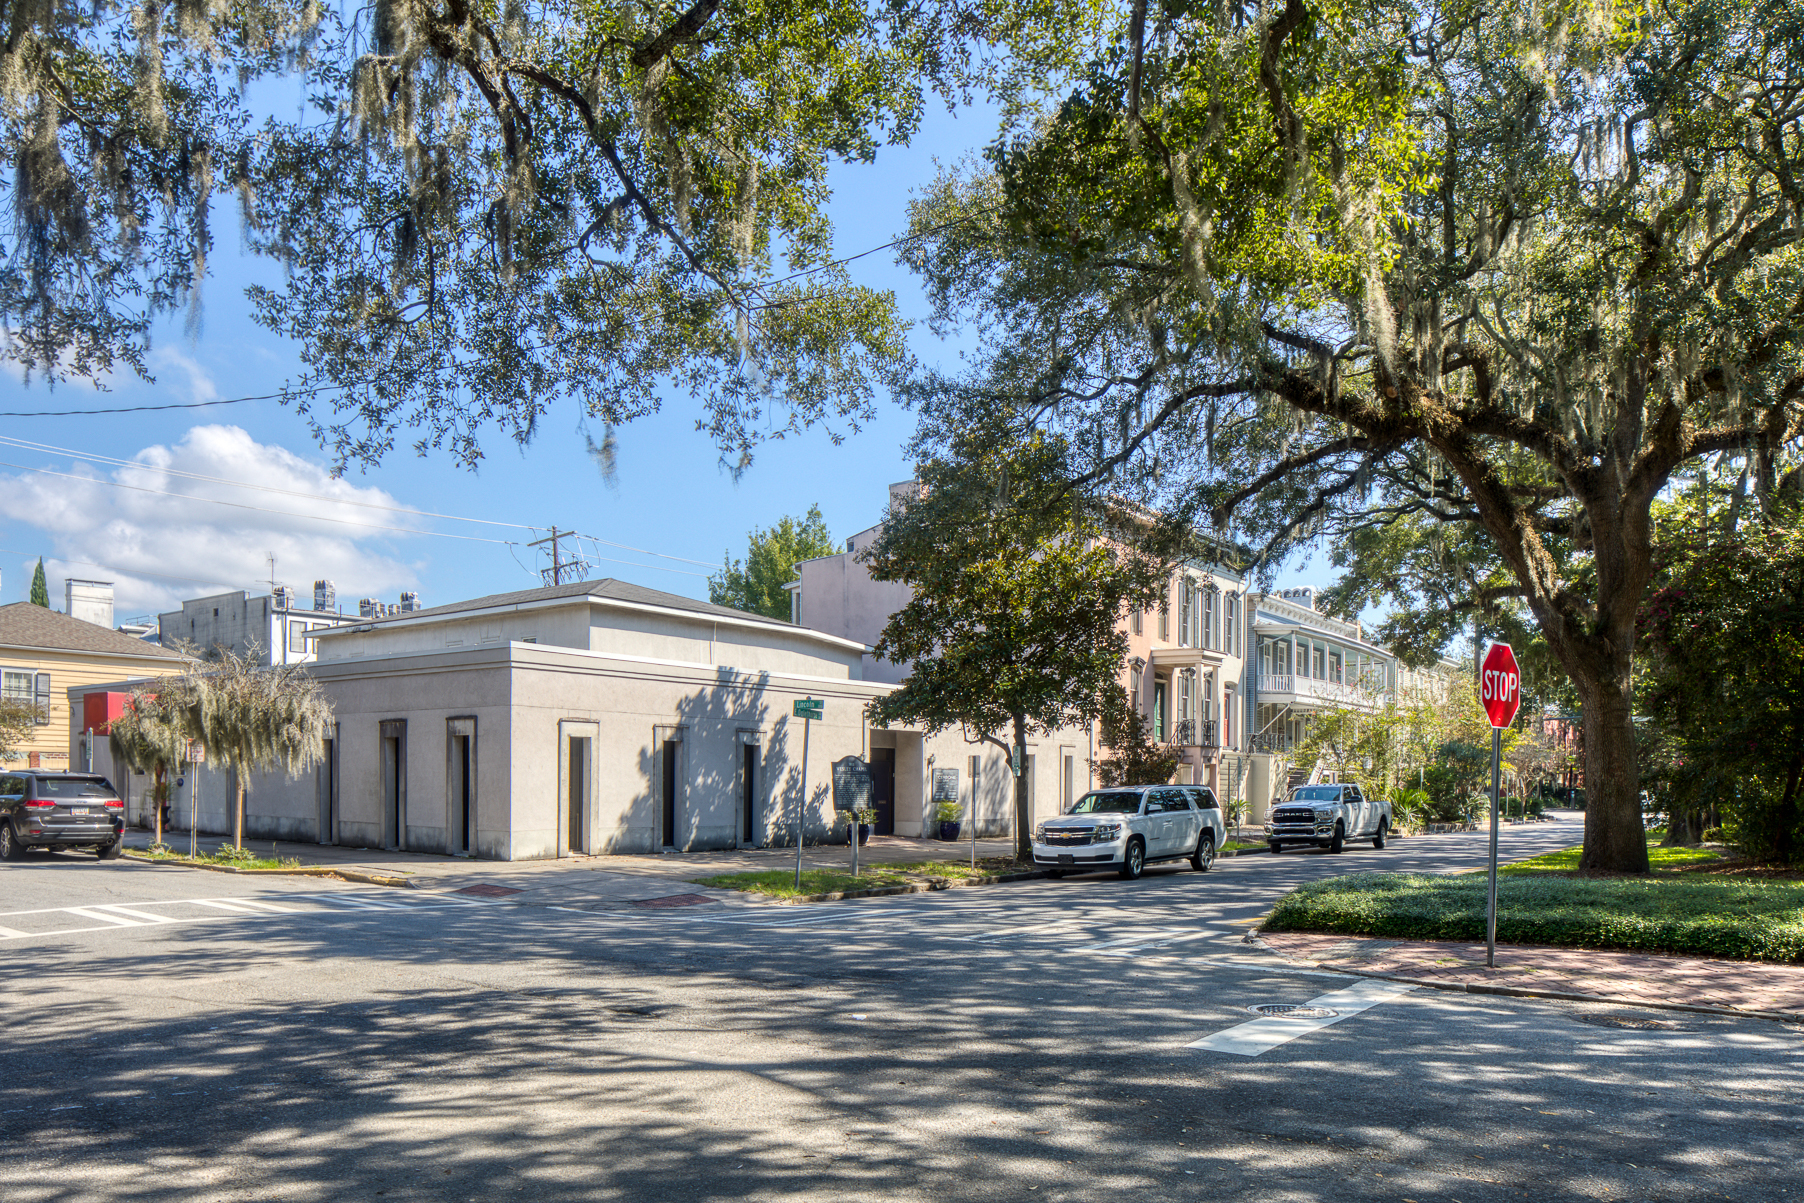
[115,803]
[41,804]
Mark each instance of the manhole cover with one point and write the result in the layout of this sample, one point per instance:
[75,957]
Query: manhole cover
[1626,1021]
[488,891]
[1292,1011]
[675,900]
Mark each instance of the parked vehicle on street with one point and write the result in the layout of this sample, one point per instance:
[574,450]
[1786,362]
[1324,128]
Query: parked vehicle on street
[1130,827]
[40,809]
[1327,816]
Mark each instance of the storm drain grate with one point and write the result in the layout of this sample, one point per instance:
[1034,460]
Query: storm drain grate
[675,900]
[1292,1011]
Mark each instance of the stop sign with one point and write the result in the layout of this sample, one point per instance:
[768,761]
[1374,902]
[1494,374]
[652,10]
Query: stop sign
[1500,685]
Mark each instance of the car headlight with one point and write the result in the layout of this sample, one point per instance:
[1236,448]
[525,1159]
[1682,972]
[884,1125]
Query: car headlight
[1106,832]
[1324,814]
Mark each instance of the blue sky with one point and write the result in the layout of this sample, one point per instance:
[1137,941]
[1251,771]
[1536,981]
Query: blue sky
[670,495]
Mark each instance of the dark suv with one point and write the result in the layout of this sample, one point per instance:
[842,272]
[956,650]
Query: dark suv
[57,811]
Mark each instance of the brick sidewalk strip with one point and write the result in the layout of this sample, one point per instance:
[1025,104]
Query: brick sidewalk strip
[1607,976]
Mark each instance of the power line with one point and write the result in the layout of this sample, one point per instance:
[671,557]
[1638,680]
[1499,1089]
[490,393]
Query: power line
[140,409]
[115,484]
[164,576]
[112,461]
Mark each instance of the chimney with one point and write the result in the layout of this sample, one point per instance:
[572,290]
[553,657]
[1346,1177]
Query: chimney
[284,597]
[90,601]
[409,602]
[1304,596]
[369,607]
[325,596]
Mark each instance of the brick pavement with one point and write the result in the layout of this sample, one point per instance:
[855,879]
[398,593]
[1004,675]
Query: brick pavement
[1605,975]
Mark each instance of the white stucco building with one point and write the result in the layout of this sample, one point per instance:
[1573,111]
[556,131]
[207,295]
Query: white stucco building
[602,716]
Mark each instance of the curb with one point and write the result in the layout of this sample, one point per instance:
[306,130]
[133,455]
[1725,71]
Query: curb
[356,875]
[1616,1000]
[929,886]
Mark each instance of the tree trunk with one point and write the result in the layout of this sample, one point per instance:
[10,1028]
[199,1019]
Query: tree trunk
[1785,825]
[156,802]
[1615,837]
[238,811]
[1024,835]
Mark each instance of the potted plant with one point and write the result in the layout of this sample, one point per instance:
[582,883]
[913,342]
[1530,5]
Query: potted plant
[947,814]
[863,819]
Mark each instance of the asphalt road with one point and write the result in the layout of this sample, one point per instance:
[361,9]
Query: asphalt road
[175,1034]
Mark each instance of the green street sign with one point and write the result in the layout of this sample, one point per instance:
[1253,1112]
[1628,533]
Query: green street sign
[809,708]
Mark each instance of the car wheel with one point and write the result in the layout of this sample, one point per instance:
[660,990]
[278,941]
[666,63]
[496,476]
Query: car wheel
[1275,847]
[1133,861]
[1340,839]
[1204,856]
[1055,874]
[10,847]
[1378,840]
[110,851]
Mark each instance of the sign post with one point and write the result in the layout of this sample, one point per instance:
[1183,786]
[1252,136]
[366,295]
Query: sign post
[806,709]
[1500,689]
[852,792]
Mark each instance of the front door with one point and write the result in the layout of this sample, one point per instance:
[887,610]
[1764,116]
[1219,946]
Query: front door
[1159,712]
[883,789]
[576,795]
[748,793]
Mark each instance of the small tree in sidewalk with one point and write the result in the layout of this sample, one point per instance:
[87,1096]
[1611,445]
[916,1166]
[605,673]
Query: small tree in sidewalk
[1017,590]
[258,719]
[152,735]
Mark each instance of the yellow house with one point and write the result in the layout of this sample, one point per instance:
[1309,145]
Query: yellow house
[43,655]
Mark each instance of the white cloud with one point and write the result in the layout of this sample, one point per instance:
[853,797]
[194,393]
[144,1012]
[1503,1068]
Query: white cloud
[140,540]
[200,383]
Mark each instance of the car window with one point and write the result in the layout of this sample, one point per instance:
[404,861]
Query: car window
[1204,799]
[1316,793]
[1169,801]
[1117,801]
[74,787]
[12,787]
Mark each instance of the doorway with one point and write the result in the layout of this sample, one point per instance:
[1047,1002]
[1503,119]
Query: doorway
[883,790]
[576,794]
[394,783]
[1158,712]
[669,784]
[328,790]
[748,793]
[460,786]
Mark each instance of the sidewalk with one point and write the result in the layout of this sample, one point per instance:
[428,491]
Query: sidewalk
[1630,977]
[591,881]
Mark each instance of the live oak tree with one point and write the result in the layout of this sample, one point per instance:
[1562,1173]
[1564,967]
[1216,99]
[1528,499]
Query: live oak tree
[1012,626]
[755,584]
[486,209]
[1505,269]
[256,718]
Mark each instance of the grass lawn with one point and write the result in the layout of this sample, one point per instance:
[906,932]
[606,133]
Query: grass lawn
[780,883]
[1540,901]
[1566,860]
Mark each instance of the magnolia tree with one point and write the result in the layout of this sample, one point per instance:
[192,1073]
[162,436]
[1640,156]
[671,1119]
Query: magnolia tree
[1501,269]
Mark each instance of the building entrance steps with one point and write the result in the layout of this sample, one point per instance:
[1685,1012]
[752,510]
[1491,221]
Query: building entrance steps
[1595,974]
[593,880]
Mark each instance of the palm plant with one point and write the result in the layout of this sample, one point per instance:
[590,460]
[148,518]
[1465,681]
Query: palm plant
[152,735]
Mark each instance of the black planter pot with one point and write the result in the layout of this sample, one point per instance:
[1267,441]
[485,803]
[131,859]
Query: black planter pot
[864,834]
[949,830]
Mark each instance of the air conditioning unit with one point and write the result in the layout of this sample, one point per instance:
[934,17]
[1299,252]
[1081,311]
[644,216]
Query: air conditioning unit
[409,602]
[369,607]
[325,595]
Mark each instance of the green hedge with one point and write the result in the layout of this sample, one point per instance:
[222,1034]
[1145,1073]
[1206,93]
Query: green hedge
[1742,920]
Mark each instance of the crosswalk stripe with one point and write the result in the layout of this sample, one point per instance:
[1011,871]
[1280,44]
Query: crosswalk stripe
[7,933]
[267,906]
[85,913]
[1263,1035]
[220,904]
[128,912]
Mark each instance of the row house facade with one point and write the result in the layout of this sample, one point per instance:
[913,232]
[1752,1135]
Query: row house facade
[1305,662]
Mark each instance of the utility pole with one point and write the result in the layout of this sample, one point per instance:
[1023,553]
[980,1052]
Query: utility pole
[559,565]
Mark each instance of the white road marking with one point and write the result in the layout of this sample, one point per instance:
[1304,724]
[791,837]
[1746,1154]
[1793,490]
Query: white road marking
[85,913]
[220,904]
[1263,1035]
[131,914]
[8,933]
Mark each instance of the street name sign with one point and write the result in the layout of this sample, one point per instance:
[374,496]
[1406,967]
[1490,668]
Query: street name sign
[1500,685]
[809,708]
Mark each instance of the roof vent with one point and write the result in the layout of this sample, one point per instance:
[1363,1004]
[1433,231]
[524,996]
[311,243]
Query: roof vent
[409,602]
[284,597]
[369,607]
[325,595]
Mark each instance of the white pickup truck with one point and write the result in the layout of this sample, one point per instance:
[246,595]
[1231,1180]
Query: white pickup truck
[1327,816]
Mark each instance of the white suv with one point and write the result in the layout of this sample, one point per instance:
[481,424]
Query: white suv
[1130,826]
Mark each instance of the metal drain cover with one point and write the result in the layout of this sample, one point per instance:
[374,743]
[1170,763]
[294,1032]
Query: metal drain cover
[1293,1011]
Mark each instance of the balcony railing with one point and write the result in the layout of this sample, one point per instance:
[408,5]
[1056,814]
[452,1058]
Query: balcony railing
[1194,733]
[1311,687]
[1273,741]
